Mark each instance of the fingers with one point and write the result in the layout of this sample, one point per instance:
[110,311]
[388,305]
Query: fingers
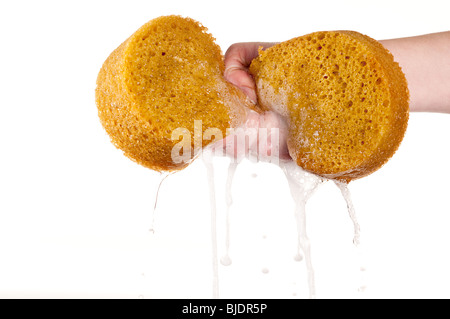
[238,58]
[263,137]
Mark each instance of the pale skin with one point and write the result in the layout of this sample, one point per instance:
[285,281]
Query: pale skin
[424,59]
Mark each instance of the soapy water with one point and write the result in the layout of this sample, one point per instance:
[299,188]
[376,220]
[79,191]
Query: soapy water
[207,159]
[163,177]
[351,210]
[356,232]
[226,259]
[302,185]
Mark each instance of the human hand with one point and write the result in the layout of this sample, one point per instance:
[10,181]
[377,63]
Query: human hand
[237,61]
[238,58]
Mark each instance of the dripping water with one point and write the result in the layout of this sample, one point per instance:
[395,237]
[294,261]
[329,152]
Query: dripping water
[351,210]
[207,160]
[226,259]
[143,285]
[302,186]
[343,187]
[265,269]
[163,177]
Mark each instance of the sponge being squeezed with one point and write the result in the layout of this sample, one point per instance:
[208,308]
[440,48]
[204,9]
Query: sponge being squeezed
[344,98]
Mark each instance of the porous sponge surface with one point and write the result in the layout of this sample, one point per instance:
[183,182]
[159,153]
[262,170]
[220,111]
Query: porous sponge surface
[345,99]
[166,75]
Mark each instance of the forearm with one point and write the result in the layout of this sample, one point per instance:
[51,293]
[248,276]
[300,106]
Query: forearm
[425,60]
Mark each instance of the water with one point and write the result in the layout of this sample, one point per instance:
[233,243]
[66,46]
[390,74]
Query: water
[226,259]
[302,185]
[351,210]
[356,233]
[207,160]
[163,177]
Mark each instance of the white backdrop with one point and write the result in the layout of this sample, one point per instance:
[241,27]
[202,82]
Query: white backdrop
[75,213]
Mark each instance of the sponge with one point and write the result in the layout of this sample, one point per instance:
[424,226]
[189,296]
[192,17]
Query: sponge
[163,78]
[345,99]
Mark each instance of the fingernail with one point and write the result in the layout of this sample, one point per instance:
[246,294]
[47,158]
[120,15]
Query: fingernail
[250,94]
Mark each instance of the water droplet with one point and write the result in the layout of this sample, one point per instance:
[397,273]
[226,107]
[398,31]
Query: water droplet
[362,289]
[265,271]
[298,257]
[226,260]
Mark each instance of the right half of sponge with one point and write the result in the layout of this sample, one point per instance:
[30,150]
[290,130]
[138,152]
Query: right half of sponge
[345,99]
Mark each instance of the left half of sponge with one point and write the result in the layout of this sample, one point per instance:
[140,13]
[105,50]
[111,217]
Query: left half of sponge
[164,86]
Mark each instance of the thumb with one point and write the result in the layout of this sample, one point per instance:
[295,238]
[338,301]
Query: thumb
[238,58]
[240,77]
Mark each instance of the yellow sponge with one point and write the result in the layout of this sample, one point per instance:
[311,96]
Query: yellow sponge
[345,100]
[167,75]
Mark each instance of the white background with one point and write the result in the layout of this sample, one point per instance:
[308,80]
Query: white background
[75,213]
